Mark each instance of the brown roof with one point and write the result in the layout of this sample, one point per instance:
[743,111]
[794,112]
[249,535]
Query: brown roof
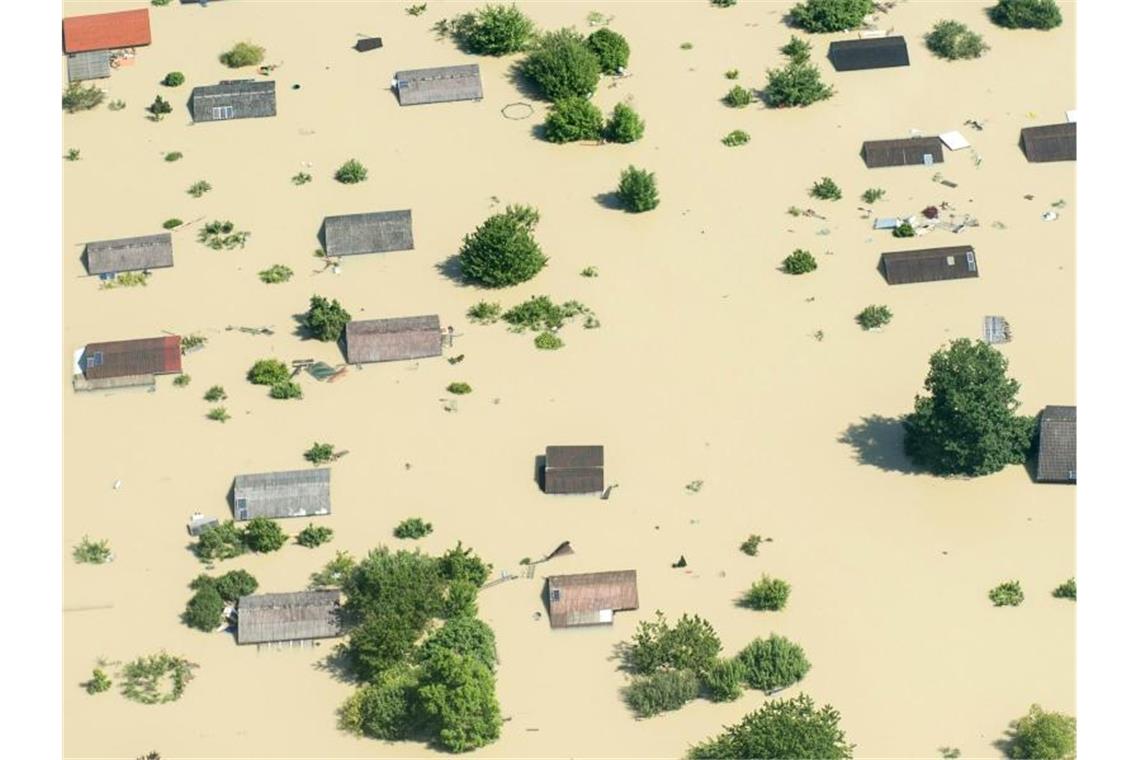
[573,469]
[145,356]
[288,617]
[384,340]
[1052,142]
[929,265]
[905,152]
[590,598]
[106,31]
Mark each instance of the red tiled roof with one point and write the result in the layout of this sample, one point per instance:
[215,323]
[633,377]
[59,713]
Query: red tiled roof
[146,356]
[106,31]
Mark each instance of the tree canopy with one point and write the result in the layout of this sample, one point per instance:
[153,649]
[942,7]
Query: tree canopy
[493,30]
[562,65]
[690,644]
[1026,14]
[830,15]
[467,636]
[624,126]
[1040,735]
[459,702]
[797,84]
[502,251]
[326,319]
[782,728]
[571,119]
[610,48]
[637,190]
[773,663]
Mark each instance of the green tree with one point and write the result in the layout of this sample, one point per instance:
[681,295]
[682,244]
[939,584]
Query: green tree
[268,372]
[79,98]
[91,552]
[326,319]
[738,97]
[99,683]
[382,641]
[217,542]
[286,390]
[1067,590]
[459,388]
[385,709]
[691,644]
[610,48]
[351,172]
[722,682]
[458,698]
[826,190]
[204,610]
[772,663]
[413,527]
[797,84]
[463,564]
[904,230]
[872,194]
[548,341]
[561,65]
[782,728]
[174,79]
[873,316]
[263,535]
[502,251]
[768,594]
[493,30]
[968,424]
[160,107]
[1008,594]
[637,190]
[215,393]
[335,572]
[799,261]
[573,118]
[1026,14]
[405,584]
[953,40]
[464,636]
[320,453]
[232,585]
[797,49]
[313,536]
[462,596]
[661,691]
[830,15]
[624,126]
[243,54]
[1040,735]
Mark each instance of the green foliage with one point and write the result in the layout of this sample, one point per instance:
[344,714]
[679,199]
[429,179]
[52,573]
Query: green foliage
[573,118]
[493,30]
[589,272]
[181,380]
[686,46]
[160,3]
[826,190]
[326,319]
[218,414]
[904,230]
[722,681]
[690,644]
[320,453]
[88,552]
[1008,594]
[484,313]
[230,587]
[416,10]
[172,156]
[79,98]
[873,194]
[767,594]
[1026,14]
[275,274]
[351,172]
[561,65]
[243,54]
[334,573]
[462,598]
[99,683]
[539,312]
[384,709]
[800,261]
[751,544]
[1040,735]
[797,84]
[624,126]
[460,564]
[286,390]
[548,341]
[160,107]
[218,234]
[953,40]
[383,640]
[459,389]
[732,74]
[301,178]
[464,636]
[661,691]
[1067,590]
[71,155]
[117,105]
[268,372]
[610,48]
[313,536]
[174,79]
[873,316]
[736,137]
[127,280]
[772,663]
[458,699]
[502,250]
[263,535]
[171,223]
[967,425]
[143,679]
[830,15]
[724,3]
[637,190]
[738,97]
[199,188]
[413,527]
[782,728]
[204,610]
[797,49]
[217,542]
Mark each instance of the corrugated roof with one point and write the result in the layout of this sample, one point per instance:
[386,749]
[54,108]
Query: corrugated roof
[130,254]
[293,493]
[120,358]
[266,618]
[373,232]
[903,152]
[1052,142]
[438,85]
[234,99]
[94,64]
[584,598]
[575,456]
[929,265]
[876,53]
[106,31]
[394,339]
[1057,445]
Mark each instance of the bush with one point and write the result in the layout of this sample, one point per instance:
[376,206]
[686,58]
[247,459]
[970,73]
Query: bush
[562,66]
[71,155]
[1026,14]
[204,610]
[160,107]
[384,709]
[724,3]
[691,644]
[484,313]
[772,663]
[800,262]
[230,587]
[413,527]
[459,389]
[589,272]
[904,230]
[215,393]
[172,156]
[953,40]
[217,542]
[243,54]
[624,126]
[263,535]
[171,223]
[326,319]
[783,728]
[99,683]
[1008,594]
[218,414]
[351,172]
[459,564]
[268,372]
[199,188]
[502,251]
[873,194]
[286,390]
[218,235]
[768,594]
[79,98]
[383,640]
[572,119]
[548,341]
[1067,590]
[722,682]
[1041,735]
[610,48]
[301,178]
[181,380]
[797,84]
[493,30]
[830,15]
[464,636]
[174,79]
[826,190]
[797,49]
[320,453]
[738,97]
[275,274]
[873,316]
[458,698]
[538,312]
[667,690]
[461,600]
[334,573]
[160,3]
[637,190]
[143,677]
[88,552]
[735,138]
[314,535]
[117,105]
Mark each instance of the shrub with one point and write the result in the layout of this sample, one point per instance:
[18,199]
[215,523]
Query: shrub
[215,393]
[320,453]
[873,316]
[781,728]
[351,172]
[142,678]
[461,600]
[334,573]
[484,313]
[637,190]
[275,274]
[800,262]
[904,230]
[174,79]
[610,48]
[464,636]
[384,709]
[204,610]
[459,389]
[797,49]
[691,644]
[561,65]
[732,74]
[873,194]
[1026,14]
[199,188]
[589,272]
[268,372]
[218,235]
[736,137]
[624,126]
[313,536]
[686,46]
[88,552]
[243,54]
[458,699]
[160,3]
[1008,594]
[493,30]
[230,587]
[548,341]
[172,156]
[192,342]
[1067,590]
[767,594]
[724,3]
[99,683]
[117,105]
[218,414]
[459,564]
[71,155]
[171,223]
[826,190]
[382,641]
[160,107]
[216,542]
[953,40]
[722,681]
[263,535]
[573,118]
[181,380]
[751,545]
[286,390]
[79,98]
[502,251]
[326,319]
[830,15]
[667,690]
[772,663]
[1041,735]
[797,84]
[539,312]
[301,178]
[738,97]
[413,527]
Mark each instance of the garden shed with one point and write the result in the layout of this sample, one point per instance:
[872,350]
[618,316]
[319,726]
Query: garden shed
[368,43]
[929,265]
[874,53]
[294,493]
[1052,142]
[297,616]
[106,31]
[573,470]
[129,358]
[590,598]
[1057,445]
[234,99]
[94,64]
[374,232]
[439,85]
[131,254]
[910,151]
[394,339]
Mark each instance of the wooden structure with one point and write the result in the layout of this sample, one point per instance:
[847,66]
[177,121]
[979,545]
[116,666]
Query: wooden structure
[127,358]
[106,31]
[573,470]
[1057,445]
[996,330]
[396,339]
[438,85]
[130,254]
[299,616]
[929,265]
[1053,142]
[234,99]
[294,493]
[910,151]
[373,232]
[874,53]
[590,598]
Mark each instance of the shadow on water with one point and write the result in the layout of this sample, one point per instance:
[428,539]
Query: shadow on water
[540,472]
[609,201]
[878,441]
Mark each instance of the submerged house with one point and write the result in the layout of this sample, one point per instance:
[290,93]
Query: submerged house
[133,254]
[93,64]
[1057,445]
[144,357]
[929,265]
[234,99]
[1053,142]
[874,53]
[439,85]
[364,44]
[573,470]
[298,616]
[106,31]
[395,339]
[910,151]
[373,232]
[590,598]
[296,493]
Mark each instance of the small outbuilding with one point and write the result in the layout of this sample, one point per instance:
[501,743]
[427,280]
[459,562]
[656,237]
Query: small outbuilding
[573,470]
[394,339]
[130,254]
[876,53]
[106,31]
[929,265]
[130,358]
[1053,142]
[910,151]
[439,85]
[374,232]
[299,616]
[1057,445]
[94,64]
[365,44]
[590,598]
[234,99]
[295,493]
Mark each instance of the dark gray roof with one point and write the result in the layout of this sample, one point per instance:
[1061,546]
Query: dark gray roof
[376,232]
[130,254]
[94,64]
[903,152]
[929,265]
[1052,142]
[395,339]
[438,85]
[365,44]
[878,53]
[574,469]
[1057,445]
[234,99]
[288,617]
[296,493]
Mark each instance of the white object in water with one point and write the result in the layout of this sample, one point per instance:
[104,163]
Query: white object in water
[886,224]
[872,34]
[1071,116]
[1049,216]
[336,269]
[954,140]
[117,484]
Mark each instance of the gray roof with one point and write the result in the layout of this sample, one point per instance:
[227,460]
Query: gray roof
[874,53]
[130,254]
[296,493]
[1052,142]
[382,340]
[94,64]
[375,232]
[1057,445]
[909,151]
[438,85]
[573,469]
[288,617]
[929,265]
[234,99]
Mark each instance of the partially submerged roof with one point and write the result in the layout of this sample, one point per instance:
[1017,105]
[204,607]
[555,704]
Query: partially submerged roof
[122,358]
[130,254]
[590,598]
[1053,142]
[266,618]
[394,339]
[877,53]
[438,85]
[929,265]
[1057,445]
[574,469]
[908,151]
[94,64]
[106,31]
[365,44]
[373,232]
[234,99]
[293,493]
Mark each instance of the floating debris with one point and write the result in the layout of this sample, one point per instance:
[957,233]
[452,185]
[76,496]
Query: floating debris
[695,486]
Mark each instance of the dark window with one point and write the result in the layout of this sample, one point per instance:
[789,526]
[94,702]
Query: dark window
[555,594]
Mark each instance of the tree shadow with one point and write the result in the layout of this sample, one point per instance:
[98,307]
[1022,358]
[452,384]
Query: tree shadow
[538,132]
[337,664]
[609,201]
[878,441]
[621,655]
[524,84]
[301,327]
[450,269]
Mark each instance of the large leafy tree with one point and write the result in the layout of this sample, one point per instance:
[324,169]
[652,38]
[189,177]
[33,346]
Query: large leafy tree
[968,424]
[383,640]
[493,30]
[611,49]
[326,319]
[465,636]
[772,663]
[830,15]
[387,708]
[502,251]
[204,610]
[782,728]
[572,119]
[462,564]
[405,584]
[263,535]
[1026,14]
[458,700]
[690,644]
[797,84]
[562,65]
[1041,735]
